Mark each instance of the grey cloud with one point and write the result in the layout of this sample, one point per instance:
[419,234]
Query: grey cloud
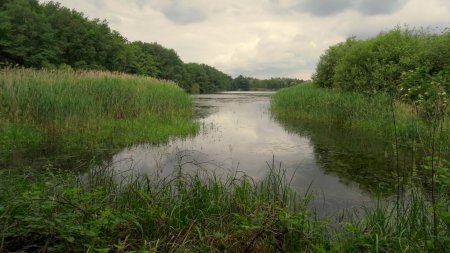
[380,6]
[324,7]
[180,15]
[330,7]
[178,11]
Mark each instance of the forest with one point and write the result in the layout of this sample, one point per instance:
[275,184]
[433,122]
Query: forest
[48,35]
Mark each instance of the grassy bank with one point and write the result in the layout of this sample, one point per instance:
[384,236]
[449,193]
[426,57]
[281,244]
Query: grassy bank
[373,115]
[44,113]
[56,211]
[397,124]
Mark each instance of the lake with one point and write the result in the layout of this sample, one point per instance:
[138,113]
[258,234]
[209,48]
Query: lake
[238,134]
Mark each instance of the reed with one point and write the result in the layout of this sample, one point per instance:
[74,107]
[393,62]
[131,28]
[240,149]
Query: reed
[87,110]
[357,112]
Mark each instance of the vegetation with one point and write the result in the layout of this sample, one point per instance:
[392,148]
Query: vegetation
[57,211]
[360,113]
[249,83]
[56,114]
[395,86]
[407,64]
[205,79]
[47,35]
[69,113]
[380,63]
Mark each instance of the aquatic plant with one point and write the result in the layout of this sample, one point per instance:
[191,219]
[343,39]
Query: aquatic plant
[68,112]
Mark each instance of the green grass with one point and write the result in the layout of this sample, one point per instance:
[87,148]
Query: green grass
[417,221]
[52,210]
[48,111]
[357,112]
[47,209]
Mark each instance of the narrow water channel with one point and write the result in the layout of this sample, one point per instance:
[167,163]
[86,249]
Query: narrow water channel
[238,133]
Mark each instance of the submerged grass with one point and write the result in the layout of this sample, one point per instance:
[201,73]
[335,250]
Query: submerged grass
[356,112]
[43,111]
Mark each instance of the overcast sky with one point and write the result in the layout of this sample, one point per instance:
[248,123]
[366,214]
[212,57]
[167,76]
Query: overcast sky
[259,38]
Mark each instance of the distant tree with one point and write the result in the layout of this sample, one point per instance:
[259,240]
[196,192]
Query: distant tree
[47,34]
[249,83]
[207,78]
[241,83]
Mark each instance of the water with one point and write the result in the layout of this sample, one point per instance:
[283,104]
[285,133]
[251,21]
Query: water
[238,133]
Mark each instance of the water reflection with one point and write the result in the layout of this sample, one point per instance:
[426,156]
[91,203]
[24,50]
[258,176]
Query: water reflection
[239,134]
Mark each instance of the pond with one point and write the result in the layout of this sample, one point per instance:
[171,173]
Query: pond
[239,134]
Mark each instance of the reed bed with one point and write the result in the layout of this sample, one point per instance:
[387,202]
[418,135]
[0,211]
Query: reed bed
[87,110]
[378,115]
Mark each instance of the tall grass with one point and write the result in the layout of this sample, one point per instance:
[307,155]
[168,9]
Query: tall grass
[74,111]
[57,211]
[416,220]
[358,112]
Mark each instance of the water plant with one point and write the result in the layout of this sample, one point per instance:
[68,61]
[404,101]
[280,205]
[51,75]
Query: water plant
[355,111]
[67,113]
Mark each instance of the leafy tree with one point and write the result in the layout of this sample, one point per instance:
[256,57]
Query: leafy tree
[241,83]
[326,68]
[400,58]
[206,78]
[26,39]
[50,35]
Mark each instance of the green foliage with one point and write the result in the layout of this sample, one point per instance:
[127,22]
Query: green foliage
[241,83]
[427,92]
[206,78]
[52,210]
[249,83]
[326,67]
[380,63]
[70,112]
[351,110]
[47,35]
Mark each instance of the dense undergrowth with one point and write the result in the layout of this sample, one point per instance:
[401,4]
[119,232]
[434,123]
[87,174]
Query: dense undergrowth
[57,211]
[66,113]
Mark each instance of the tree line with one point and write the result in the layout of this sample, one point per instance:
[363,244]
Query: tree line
[250,83]
[48,35]
[409,64]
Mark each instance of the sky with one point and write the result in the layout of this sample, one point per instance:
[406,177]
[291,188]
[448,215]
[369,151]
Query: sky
[260,38]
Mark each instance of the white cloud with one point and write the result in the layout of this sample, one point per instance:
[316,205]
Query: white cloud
[260,38]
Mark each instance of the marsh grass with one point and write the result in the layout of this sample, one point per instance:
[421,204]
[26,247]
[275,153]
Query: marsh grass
[53,210]
[44,111]
[359,113]
[417,218]
[198,212]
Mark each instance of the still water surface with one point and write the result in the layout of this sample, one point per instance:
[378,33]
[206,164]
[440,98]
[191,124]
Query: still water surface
[238,133]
